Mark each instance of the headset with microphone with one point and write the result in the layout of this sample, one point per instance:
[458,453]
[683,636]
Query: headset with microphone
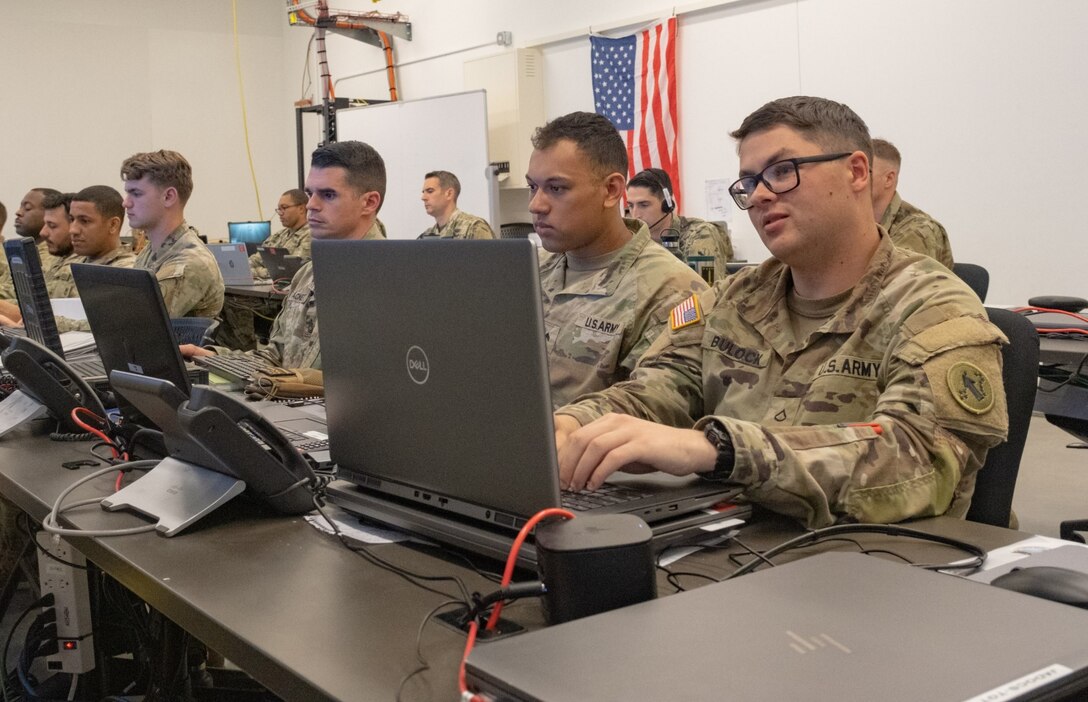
[661,179]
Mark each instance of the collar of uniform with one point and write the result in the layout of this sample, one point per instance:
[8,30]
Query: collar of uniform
[108,257]
[763,310]
[607,280]
[891,211]
[171,240]
[449,222]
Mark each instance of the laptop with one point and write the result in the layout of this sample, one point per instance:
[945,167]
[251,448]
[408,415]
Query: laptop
[835,626]
[132,328]
[39,323]
[233,262]
[280,263]
[444,427]
[252,234]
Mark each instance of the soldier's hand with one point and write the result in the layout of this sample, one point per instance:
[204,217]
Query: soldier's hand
[192,350]
[620,442]
[564,426]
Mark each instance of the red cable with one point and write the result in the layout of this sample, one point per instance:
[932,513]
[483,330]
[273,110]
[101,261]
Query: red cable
[461,683]
[101,435]
[511,560]
[1052,311]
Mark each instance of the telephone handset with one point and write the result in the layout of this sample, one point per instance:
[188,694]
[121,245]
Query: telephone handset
[44,376]
[247,446]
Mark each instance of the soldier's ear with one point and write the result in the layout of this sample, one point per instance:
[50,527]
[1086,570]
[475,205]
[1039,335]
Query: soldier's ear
[615,185]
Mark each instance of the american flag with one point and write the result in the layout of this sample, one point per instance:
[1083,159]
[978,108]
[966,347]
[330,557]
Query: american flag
[634,86]
[685,314]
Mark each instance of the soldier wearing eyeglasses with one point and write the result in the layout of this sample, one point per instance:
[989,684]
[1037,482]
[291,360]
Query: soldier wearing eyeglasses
[842,378]
[238,326]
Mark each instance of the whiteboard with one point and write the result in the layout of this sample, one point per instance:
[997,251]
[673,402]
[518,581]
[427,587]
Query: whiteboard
[414,137]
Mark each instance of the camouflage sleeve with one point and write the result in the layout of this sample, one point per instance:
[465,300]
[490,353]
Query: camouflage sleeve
[479,229]
[656,320]
[67,324]
[304,250]
[256,263]
[7,285]
[666,385]
[942,408]
[183,287]
[926,236]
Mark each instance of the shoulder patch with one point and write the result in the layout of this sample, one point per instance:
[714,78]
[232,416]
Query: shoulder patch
[970,387]
[685,314]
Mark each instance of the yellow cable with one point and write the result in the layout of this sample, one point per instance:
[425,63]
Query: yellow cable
[245,119]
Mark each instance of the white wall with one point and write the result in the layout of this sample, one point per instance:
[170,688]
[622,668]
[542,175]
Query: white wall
[982,96]
[86,84]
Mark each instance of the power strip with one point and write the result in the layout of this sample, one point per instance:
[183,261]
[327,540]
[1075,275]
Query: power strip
[72,602]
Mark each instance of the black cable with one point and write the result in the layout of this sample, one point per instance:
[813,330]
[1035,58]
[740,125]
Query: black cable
[819,535]
[404,573]
[45,600]
[423,664]
[1074,377]
[486,575]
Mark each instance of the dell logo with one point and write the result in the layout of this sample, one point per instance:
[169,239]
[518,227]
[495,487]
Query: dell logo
[419,368]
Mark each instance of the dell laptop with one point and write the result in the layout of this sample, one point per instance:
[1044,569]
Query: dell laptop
[437,393]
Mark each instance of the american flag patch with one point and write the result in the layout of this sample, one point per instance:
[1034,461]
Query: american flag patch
[685,314]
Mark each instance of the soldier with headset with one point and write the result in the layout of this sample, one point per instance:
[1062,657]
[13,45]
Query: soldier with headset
[650,199]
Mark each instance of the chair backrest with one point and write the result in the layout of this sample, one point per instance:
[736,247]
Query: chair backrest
[992,502]
[191,330]
[976,277]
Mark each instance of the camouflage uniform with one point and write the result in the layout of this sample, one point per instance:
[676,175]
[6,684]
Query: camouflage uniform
[7,285]
[66,287]
[885,413]
[699,237]
[912,229]
[461,225]
[237,326]
[58,279]
[296,241]
[293,342]
[187,273]
[598,327]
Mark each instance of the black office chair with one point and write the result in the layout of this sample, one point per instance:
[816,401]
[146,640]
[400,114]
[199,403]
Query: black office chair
[992,502]
[976,277]
[192,330]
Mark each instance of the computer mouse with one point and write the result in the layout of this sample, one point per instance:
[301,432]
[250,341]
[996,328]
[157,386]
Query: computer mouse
[1049,582]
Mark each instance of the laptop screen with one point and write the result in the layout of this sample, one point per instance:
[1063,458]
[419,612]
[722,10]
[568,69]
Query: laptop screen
[129,321]
[30,290]
[444,394]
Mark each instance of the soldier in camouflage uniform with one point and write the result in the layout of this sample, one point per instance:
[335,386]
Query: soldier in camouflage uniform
[346,186]
[95,229]
[909,227]
[295,235]
[58,240]
[157,186]
[844,378]
[237,328]
[606,288]
[29,219]
[650,198]
[440,192]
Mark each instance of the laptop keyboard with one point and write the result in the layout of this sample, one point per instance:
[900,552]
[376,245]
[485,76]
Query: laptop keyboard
[237,369]
[87,367]
[604,496]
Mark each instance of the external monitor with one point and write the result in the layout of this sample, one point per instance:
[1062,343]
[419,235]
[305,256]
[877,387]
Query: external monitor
[252,234]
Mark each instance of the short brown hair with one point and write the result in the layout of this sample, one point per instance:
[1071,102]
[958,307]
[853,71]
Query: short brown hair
[296,195]
[832,125]
[166,169]
[57,199]
[594,136]
[447,180]
[886,150]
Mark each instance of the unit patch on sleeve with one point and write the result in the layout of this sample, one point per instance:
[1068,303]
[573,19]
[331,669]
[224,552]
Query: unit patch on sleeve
[970,387]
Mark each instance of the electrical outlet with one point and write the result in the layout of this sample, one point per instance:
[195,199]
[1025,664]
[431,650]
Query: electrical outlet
[72,603]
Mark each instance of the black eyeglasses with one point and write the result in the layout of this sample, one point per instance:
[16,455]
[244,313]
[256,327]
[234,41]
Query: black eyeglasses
[281,209]
[779,177]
